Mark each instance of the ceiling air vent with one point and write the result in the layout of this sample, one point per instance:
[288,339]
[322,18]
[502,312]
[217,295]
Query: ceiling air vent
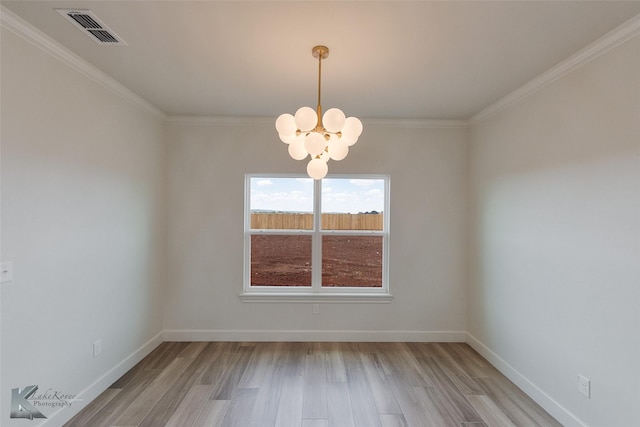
[92,26]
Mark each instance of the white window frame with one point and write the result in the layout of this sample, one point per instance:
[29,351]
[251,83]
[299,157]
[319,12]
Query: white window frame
[316,293]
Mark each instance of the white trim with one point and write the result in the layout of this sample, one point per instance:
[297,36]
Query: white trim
[29,33]
[417,123]
[604,44]
[318,297]
[224,121]
[315,292]
[559,412]
[270,121]
[87,395]
[313,335]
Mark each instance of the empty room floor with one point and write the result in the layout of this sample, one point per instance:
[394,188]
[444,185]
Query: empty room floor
[311,385]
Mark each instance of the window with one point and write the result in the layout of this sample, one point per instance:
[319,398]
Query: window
[316,240]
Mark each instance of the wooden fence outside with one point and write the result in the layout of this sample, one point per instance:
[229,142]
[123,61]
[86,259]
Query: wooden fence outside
[300,221]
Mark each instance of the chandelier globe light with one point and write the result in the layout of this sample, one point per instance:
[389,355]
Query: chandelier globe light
[310,134]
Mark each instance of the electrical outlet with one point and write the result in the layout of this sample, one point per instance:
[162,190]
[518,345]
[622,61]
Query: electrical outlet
[315,309]
[6,272]
[97,348]
[584,386]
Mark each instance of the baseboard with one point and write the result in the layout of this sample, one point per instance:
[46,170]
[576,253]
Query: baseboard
[87,395]
[295,335]
[559,412]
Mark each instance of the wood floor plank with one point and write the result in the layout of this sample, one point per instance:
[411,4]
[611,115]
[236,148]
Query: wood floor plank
[266,408]
[168,355]
[336,371]
[339,405]
[363,405]
[450,397]
[427,349]
[142,405]
[466,357]
[192,350]
[381,350]
[295,358]
[84,417]
[130,375]
[118,404]
[253,376]
[315,423]
[435,413]
[417,408]
[457,375]
[226,385]
[156,354]
[315,387]
[490,413]
[212,414]
[368,347]
[314,383]
[171,400]
[290,403]
[514,403]
[219,359]
[186,414]
[393,420]
[401,359]
[237,414]
[506,404]
[386,401]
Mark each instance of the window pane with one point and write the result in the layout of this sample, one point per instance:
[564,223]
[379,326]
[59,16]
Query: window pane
[352,204]
[352,261]
[281,203]
[280,260]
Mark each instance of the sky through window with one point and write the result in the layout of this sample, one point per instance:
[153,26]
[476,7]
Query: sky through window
[296,195]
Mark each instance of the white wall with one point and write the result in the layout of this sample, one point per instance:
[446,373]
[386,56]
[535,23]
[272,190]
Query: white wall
[555,284]
[82,221]
[207,164]
[555,233]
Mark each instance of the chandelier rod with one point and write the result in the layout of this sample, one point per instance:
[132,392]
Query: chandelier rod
[319,109]
[320,52]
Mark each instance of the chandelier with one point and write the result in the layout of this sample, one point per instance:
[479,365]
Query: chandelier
[322,137]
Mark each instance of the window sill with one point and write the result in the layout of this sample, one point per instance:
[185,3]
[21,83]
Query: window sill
[335,298]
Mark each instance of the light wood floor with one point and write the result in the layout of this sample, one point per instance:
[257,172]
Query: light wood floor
[313,385]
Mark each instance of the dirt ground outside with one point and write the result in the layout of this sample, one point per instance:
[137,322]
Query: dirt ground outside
[285,260]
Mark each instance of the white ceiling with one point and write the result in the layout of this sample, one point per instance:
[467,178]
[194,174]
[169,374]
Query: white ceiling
[394,59]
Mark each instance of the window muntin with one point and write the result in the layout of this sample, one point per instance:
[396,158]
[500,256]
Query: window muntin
[336,229]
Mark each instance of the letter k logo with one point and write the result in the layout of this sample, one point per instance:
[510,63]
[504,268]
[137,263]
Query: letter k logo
[20,406]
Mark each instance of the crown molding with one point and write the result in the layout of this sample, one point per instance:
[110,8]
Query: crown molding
[270,121]
[604,44]
[222,120]
[417,123]
[29,33]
